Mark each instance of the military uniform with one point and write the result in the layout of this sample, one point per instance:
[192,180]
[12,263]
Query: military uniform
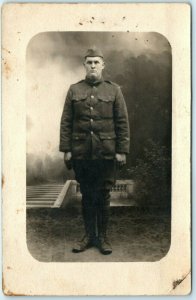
[94,127]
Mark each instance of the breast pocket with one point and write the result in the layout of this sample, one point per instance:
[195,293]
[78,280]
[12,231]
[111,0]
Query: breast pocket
[105,105]
[79,104]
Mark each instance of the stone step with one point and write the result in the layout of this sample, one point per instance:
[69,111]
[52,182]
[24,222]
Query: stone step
[40,196]
[40,202]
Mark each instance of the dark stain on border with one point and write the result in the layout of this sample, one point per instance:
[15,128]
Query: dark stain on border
[179,281]
[3,181]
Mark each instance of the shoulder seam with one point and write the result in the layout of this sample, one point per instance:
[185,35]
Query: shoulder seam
[113,83]
[78,82]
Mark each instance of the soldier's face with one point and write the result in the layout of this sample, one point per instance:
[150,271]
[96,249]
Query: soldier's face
[94,67]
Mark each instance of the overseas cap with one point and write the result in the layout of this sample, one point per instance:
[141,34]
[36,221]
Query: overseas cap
[93,52]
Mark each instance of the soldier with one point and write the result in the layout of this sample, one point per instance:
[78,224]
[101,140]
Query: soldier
[94,137]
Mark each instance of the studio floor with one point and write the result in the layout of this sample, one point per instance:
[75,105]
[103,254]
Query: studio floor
[135,235]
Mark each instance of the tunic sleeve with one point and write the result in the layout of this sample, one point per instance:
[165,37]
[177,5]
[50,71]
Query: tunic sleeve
[121,123]
[66,124]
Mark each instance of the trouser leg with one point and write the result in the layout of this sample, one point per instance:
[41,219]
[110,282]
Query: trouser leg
[96,179]
[88,206]
[89,218]
[103,210]
[89,214]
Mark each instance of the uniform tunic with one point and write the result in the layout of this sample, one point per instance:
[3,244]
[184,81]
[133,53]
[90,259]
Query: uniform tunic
[94,123]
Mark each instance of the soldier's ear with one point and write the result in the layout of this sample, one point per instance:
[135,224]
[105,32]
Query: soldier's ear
[103,64]
[84,62]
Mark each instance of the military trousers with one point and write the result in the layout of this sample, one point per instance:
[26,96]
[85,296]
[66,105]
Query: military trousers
[96,178]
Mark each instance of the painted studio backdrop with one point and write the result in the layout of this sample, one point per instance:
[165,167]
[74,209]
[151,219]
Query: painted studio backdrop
[141,63]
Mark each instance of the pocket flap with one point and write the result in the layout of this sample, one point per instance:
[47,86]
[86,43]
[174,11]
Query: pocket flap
[107,136]
[79,136]
[106,97]
[79,96]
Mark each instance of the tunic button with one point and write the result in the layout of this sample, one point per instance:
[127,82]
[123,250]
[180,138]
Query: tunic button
[91,120]
[91,108]
[91,132]
[92,97]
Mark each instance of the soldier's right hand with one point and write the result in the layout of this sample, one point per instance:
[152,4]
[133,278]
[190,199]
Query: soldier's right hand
[67,156]
[67,160]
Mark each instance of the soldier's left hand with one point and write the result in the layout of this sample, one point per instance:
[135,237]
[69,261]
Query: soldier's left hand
[121,159]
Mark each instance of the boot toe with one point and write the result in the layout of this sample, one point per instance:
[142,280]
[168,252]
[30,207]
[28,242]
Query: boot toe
[106,251]
[105,247]
[78,248]
[82,245]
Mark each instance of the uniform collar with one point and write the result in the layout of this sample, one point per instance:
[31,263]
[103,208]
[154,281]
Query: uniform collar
[96,82]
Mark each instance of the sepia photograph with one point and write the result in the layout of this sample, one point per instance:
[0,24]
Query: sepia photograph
[96,149]
[99,146]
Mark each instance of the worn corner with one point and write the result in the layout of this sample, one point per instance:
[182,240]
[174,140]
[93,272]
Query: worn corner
[7,291]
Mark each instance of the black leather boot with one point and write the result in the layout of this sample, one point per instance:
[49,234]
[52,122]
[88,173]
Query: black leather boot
[102,224]
[85,243]
[104,245]
[89,217]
